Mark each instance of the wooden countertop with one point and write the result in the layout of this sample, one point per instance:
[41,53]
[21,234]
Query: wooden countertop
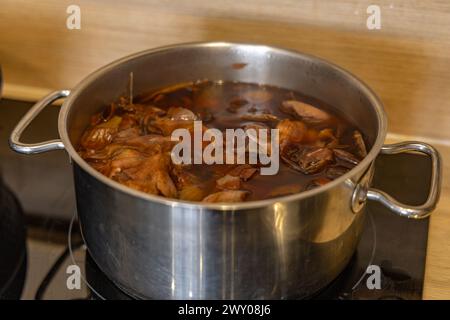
[406,62]
[437,272]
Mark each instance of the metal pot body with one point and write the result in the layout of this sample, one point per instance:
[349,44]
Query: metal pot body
[287,247]
[284,250]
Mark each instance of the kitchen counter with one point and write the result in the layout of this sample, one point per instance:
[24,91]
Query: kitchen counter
[437,272]
[406,63]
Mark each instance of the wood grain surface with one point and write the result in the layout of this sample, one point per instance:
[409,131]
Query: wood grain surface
[407,61]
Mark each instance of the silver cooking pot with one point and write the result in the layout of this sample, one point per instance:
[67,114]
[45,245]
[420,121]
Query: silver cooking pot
[287,247]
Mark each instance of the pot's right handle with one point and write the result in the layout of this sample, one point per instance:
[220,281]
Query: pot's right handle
[30,148]
[423,210]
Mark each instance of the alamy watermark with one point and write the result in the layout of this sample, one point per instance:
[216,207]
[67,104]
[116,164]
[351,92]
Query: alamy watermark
[73,21]
[373,22]
[73,281]
[239,146]
[374,279]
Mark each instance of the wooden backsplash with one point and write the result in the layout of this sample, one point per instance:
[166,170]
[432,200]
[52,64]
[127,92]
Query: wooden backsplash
[407,61]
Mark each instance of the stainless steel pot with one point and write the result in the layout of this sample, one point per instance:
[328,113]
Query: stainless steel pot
[286,247]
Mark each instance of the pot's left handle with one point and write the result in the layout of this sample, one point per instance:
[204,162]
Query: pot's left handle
[31,148]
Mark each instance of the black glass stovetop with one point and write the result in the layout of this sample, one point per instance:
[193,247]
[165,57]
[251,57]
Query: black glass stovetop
[394,244]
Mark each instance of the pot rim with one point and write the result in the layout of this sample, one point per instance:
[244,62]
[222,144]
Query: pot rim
[370,94]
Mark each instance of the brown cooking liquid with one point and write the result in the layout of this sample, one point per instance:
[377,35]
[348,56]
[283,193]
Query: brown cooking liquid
[328,146]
